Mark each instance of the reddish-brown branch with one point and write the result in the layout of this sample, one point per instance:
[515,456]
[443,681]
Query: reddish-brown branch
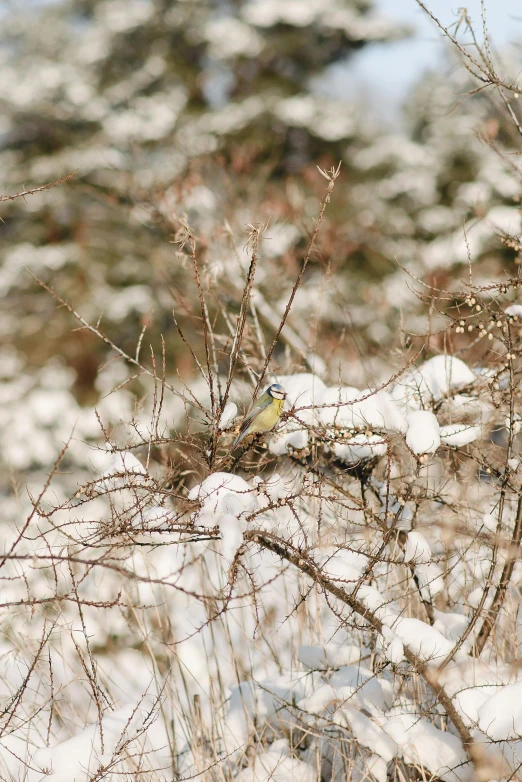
[500,594]
[306,565]
[33,190]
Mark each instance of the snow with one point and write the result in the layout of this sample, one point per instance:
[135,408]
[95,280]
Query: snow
[223,493]
[513,422]
[368,733]
[271,489]
[334,405]
[120,16]
[430,579]
[270,12]
[123,468]
[331,655]
[359,448]
[391,646]
[423,435]
[383,608]
[321,699]
[471,242]
[277,765]
[359,687]
[158,515]
[340,564]
[450,624]
[500,716]
[427,643]
[231,535]
[228,415]
[417,548]
[262,703]
[80,757]
[515,310]
[353,686]
[291,436]
[474,597]
[459,435]
[431,382]
[231,38]
[280,238]
[347,407]
[470,700]
[420,741]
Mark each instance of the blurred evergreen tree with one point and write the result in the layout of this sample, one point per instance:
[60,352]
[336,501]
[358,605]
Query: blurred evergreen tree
[132,94]
[441,196]
[209,109]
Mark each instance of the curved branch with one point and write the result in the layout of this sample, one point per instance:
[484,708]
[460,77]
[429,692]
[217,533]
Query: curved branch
[306,565]
[500,595]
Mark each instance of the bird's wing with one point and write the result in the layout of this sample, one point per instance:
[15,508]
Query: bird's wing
[261,404]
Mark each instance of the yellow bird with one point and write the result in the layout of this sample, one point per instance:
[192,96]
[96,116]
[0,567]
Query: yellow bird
[264,413]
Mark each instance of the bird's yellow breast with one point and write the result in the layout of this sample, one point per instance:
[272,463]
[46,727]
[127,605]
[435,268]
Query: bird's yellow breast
[269,417]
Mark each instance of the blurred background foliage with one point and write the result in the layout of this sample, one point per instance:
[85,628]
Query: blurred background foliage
[218,113]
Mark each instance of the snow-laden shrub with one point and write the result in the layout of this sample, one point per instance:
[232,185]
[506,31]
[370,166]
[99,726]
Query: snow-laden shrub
[336,599]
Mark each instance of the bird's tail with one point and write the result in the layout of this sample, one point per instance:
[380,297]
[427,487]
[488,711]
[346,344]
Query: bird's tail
[241,436]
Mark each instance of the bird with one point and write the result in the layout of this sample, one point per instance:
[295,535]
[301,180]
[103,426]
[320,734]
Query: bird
[264,413]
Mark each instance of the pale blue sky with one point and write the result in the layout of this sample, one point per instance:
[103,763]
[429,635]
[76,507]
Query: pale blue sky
[394,67]
[384,73]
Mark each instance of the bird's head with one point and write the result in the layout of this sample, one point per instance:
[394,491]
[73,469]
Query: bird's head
[276,391]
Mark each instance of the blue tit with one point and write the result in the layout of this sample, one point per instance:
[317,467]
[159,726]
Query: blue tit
[264,413]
